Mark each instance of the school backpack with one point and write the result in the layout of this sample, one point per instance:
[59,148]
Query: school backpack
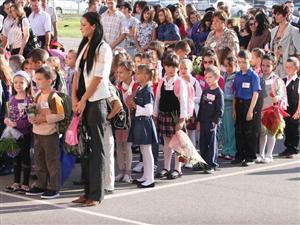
[67,104]
[190,96]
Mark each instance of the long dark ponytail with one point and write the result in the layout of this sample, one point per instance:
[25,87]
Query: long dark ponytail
[92,18]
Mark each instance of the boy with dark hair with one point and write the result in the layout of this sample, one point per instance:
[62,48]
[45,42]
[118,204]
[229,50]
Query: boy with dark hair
[245,111]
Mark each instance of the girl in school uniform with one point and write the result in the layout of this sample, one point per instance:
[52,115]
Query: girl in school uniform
[143,131]
[185,70]
[128,88]
[170,112]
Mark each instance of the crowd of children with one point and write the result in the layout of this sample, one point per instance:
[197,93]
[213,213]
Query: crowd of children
[220,105]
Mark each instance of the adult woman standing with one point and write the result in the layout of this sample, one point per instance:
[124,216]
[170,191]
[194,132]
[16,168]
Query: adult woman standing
[261,34]
[245,32]
[221,36]
[89,91]
[18,34]
[167,31]
[285,39]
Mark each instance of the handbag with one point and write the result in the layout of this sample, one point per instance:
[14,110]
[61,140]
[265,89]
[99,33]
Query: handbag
[71,136]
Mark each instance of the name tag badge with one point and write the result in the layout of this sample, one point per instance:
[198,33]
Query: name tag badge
[268,82]
[211,97]
[44,105]
[22,106]
[246,85]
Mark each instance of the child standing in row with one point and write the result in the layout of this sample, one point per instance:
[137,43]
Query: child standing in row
[143,131]
[70,62]
[128,88]
[229,147]
[292,83]
[245,110]
[273,92]
[46,140]
[18,119]
[210,116]
[167,114]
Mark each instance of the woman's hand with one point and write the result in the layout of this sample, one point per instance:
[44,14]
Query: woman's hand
[296,116]
[80,107]
[249,115]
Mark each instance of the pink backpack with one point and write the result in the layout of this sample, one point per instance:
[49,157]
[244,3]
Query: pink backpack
[190,96]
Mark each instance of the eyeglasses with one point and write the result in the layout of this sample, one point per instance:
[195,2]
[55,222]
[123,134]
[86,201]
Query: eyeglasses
[208,62]
[252,24]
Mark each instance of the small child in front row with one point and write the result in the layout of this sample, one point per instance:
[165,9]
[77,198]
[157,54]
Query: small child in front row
[292,83]
[142,130]
[46,140]
[210,116]
[167,107]
[70,62]
[19,120]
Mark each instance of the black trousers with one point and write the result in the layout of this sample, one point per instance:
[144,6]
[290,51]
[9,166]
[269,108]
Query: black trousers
[93,158]
[246,132]
[22,160]
[292,135]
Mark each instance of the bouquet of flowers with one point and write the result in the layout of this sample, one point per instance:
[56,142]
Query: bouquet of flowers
[31,110]
[8,142]
[197,60]
[185,149]
[273,120]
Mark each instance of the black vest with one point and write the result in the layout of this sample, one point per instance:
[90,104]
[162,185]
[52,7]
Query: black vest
[292,95]
[168,101]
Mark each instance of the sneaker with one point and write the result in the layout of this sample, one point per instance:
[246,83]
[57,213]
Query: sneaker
[127,178]
[259,159]
[228,157]
[138,168]
[119,177]
[50,194]
[197,167]
[267,160]
[209,170]
[35,191]
[188,165]
[248,163]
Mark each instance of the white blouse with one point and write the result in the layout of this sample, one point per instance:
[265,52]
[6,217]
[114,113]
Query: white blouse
[101,68]
[15,33]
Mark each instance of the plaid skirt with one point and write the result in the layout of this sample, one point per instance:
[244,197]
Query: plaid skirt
[166,124]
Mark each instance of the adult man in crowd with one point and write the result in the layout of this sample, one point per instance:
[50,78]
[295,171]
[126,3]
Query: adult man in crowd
[40,23]
[51,11]
[293,19]
[114,25]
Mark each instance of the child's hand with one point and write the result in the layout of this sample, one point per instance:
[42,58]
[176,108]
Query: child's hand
[198,126]
[296,116]
[179,126]
[40,119]
[133,105]
[6,121]
[234,114]
[249,116]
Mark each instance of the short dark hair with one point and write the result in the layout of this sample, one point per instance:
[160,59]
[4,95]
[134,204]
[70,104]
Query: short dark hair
[231,60]
[258,52]
[283,10]
[184,46]
[38,54]
[221,15]
[47,72]
[171,59]
[244,54]
[270,56]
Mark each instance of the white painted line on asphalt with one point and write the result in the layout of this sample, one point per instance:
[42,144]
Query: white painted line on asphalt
[210,177]
[67,207]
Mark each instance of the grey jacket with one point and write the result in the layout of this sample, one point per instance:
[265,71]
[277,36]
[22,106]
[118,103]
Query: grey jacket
[290,46]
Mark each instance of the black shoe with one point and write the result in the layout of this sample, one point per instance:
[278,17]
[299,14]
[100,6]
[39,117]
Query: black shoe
[146,186]
[35,191]
[284,153]
[50,194]
[209,170]
[108,192]
[163,174]
[236,161]
[78,182]
[176,174]
[197,167]
[248,163]
[135,181]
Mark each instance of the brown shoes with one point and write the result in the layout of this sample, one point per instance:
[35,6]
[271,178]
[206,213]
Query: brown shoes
[80,200]
[85,202]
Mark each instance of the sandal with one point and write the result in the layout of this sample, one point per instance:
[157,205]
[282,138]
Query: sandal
[163,174]
[23,189]
[176,174]
[13,187]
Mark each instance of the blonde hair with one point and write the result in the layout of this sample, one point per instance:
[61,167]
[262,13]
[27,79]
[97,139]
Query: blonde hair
[214,71]
[188,63]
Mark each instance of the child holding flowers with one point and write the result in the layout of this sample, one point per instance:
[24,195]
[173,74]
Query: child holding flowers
[18,119]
